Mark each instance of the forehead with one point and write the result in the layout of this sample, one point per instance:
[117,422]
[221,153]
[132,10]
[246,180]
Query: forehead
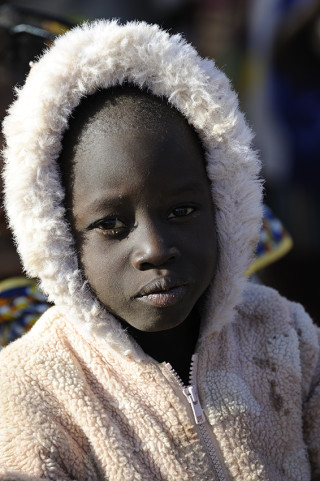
[121,108]
[124,130]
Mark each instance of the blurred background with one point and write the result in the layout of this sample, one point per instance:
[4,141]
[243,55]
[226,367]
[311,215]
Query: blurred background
[270,49]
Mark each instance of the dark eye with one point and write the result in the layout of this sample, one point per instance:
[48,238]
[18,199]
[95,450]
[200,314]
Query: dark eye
[180,212]
[110,226]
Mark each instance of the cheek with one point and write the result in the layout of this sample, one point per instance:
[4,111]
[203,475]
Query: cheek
[98,264]
[206,249]
[107,269]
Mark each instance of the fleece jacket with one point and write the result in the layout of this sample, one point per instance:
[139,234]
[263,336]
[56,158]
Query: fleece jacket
[79,398]
[72,409]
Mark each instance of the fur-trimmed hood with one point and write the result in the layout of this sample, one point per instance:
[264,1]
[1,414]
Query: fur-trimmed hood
[101,55]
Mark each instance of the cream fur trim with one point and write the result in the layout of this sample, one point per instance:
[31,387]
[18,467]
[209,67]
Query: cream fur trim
[100,55]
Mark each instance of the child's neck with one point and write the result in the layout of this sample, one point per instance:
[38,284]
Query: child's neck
[175,346]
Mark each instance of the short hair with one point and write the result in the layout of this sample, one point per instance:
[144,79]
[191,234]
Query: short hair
[119,107]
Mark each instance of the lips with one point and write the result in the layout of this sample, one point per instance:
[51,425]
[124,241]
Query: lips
[163,292]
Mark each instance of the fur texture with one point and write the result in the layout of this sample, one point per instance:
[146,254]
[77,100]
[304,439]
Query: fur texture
[101,55]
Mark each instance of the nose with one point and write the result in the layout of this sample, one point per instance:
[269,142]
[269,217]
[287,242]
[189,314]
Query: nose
[153,251]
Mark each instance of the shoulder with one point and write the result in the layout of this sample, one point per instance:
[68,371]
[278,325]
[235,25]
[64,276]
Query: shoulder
[29,348]
[282,324]
[265,306]
[41,382]
[36,362]
[42,385]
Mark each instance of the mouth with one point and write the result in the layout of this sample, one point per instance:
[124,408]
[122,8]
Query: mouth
[162,292]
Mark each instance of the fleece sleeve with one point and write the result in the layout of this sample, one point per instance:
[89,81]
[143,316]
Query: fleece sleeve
[35,448]
[309,341]
[35,442]
[312,419]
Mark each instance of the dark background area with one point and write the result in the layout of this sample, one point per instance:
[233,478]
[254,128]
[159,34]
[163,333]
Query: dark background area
[271,51]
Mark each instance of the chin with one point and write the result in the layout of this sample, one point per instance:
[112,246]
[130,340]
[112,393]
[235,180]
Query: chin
[157,326]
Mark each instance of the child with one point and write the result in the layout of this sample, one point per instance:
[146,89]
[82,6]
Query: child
[134,196]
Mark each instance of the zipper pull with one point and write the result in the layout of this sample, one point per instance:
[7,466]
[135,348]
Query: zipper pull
[191,394]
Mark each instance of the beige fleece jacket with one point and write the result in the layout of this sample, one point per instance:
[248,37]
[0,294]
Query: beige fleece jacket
[79,400]
[71,409]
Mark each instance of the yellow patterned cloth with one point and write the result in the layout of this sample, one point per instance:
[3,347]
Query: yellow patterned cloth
[21,304]
[274,243]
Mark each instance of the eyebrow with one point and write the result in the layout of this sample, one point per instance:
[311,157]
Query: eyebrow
[97,208]
[109,202]
[106,203]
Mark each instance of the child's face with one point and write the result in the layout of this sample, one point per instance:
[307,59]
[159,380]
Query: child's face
[144,222]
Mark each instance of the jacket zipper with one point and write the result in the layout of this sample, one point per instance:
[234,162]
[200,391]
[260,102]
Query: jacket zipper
[202,425]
